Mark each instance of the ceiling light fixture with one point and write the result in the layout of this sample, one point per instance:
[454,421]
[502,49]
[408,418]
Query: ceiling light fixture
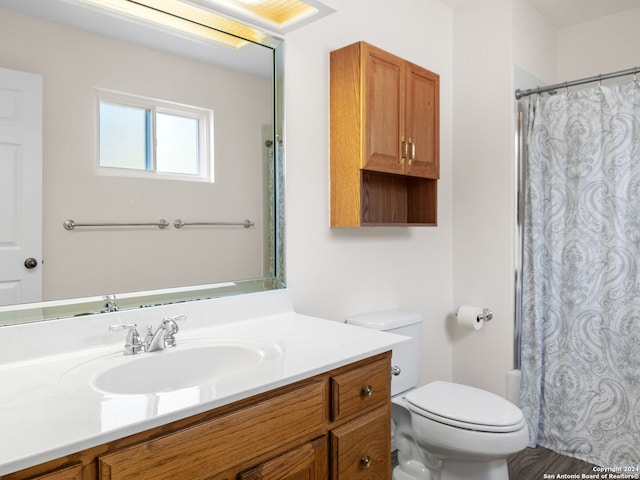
[185,18]
[277,16]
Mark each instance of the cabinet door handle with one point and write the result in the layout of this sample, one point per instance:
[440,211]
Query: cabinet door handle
[405,150]
[366,461]
[413,151]
[367,391]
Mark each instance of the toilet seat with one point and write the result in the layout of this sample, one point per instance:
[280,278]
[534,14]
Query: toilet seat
[465,407]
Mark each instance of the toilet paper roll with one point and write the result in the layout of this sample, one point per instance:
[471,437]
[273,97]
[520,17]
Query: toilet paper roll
[470,317]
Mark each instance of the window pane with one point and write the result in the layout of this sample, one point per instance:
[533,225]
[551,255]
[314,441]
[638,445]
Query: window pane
[177,144]
[123,136]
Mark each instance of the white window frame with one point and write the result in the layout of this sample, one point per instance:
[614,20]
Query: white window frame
[205,136]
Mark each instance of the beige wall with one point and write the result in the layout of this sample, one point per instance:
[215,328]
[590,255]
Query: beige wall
[337,273]
[83,262]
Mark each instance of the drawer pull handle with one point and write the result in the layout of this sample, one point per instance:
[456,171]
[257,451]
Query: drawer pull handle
[366,461]
[367,391]
[395,371]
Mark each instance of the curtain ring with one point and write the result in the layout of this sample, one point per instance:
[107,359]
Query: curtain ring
[599,79]
[566,87]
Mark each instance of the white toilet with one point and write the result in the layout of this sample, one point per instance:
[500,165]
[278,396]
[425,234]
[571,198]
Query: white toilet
[444,430]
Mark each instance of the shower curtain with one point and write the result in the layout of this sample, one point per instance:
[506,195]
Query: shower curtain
[580,326]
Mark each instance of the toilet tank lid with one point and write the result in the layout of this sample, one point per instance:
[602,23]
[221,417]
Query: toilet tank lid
[387,319]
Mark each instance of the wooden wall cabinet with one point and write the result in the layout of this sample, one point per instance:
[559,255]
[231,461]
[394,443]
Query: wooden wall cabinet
[384,128]
[333,426]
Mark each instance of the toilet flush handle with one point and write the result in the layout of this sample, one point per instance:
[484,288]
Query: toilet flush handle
[395,371]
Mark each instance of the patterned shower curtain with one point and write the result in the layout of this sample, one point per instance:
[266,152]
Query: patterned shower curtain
[580,337]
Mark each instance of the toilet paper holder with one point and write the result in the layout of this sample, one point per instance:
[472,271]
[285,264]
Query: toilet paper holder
[485,315]
[472,317]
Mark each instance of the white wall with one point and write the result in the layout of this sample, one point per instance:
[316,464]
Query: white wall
[535,41]
[337,273]
[470,256]
[493,38]
[483,194]
[603,45]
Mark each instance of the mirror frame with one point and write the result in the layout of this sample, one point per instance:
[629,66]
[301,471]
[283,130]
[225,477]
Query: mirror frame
[71,307]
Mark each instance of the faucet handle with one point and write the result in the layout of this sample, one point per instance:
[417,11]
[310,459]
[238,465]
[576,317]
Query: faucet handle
[149,335]
[171,328]
[133,344]
[169,323]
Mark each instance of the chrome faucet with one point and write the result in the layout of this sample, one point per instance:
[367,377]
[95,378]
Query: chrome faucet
[163,337]
[111,305]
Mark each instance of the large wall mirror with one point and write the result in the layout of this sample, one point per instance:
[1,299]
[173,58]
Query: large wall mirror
[116,238]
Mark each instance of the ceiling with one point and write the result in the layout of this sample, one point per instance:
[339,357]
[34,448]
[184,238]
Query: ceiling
[569,12]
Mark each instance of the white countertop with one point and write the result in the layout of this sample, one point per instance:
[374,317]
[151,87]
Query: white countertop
[46,412]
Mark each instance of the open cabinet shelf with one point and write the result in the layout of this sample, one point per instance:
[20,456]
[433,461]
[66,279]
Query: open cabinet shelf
[388,199]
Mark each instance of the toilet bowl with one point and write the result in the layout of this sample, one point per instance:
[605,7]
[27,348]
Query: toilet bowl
[461,432]
[444,430]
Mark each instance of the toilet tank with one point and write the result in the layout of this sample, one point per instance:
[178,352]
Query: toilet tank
[407,357]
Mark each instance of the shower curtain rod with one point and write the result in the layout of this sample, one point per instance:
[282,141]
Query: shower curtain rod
[595,78]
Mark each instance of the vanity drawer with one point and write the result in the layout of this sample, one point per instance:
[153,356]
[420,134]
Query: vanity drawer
[361,449]
[360,389]
[202,451]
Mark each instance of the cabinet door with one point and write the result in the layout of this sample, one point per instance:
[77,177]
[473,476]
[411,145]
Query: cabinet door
[308,462]
[422,122]
[383,125]
[203,451]
[361,449]
[71,473]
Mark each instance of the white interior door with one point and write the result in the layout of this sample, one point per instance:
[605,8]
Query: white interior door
[20,187]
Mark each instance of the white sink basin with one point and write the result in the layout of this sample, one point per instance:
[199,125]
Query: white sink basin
[190,364]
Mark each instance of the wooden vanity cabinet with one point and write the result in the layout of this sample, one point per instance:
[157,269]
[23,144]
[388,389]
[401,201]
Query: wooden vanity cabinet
[384,129]
[332,426]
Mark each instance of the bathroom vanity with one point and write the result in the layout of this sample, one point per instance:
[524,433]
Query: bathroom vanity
[318,409]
